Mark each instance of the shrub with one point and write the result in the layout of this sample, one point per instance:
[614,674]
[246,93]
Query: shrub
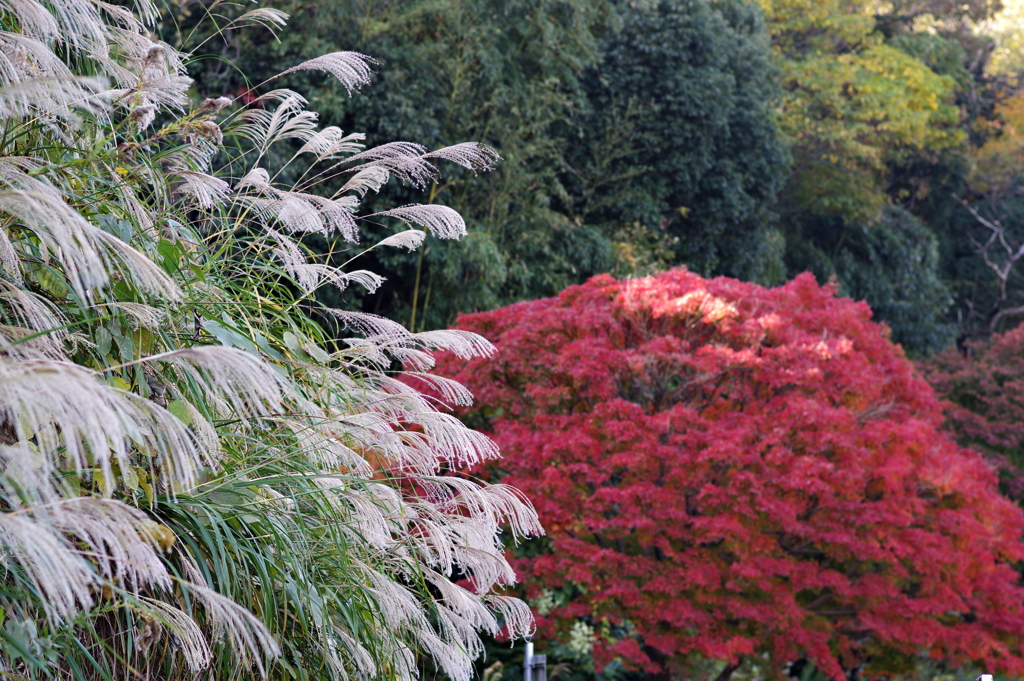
[197,479]
[738,473]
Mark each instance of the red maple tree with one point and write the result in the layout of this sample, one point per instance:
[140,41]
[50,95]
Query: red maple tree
[985,388]
[726,470]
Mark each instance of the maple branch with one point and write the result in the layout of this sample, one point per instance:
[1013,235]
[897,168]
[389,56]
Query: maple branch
[860,635]
[875,412]
[815,503]
[820,600]
[799,547]
[804,552]
[729,670]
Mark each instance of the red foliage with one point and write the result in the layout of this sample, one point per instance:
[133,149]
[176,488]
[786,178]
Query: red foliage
[985,388]
[727,470]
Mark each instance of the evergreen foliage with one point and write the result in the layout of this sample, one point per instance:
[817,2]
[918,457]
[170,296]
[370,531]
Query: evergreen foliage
[682,137]
[739,158]
[659,133]
[876,128]
[596,139]
[892,262]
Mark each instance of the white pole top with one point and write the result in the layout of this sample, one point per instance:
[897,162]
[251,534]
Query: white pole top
[984,677]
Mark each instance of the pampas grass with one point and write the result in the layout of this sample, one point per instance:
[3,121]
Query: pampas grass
[197,480]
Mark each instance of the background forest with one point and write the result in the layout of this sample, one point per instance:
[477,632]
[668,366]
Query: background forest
[873,142]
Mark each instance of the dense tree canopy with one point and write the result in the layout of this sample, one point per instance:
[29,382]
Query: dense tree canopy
[989,218]
[893,262]
[870,110]
[852,104]
[505,73]
[682,136]
[757,140]
[731,472]
[637,135]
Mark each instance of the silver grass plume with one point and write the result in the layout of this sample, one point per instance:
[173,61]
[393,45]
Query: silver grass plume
[330,142]
[63,407]
[352,69]
[155,366]
[470,155]
[191,639]
[442,221]
[410,239]
[369,178]
[289,120]
[204,191]
[267,17]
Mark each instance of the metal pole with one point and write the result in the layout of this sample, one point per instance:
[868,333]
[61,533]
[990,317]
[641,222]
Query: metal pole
[528,663]
[539,668]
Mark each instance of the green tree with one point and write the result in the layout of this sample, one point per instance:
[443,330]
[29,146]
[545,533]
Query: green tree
[853,103]
[892,262]
[682,135]
[878,116]
[619,124]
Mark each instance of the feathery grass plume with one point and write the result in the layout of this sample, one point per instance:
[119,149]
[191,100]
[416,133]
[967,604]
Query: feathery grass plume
[351,68]
[35,316]
[404,160]
[37,80]
[88,255]
[331,141]
[196,478]
[410,239]
[188,635]
[267,17]
[470,155]
[369,179]
[442,221]
[204,190]
[289,120]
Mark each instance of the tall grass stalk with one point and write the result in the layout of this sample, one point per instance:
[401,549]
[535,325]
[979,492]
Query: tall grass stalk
[197,479]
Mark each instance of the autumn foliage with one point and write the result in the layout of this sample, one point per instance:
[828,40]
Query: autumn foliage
[726,471]
[985,389]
